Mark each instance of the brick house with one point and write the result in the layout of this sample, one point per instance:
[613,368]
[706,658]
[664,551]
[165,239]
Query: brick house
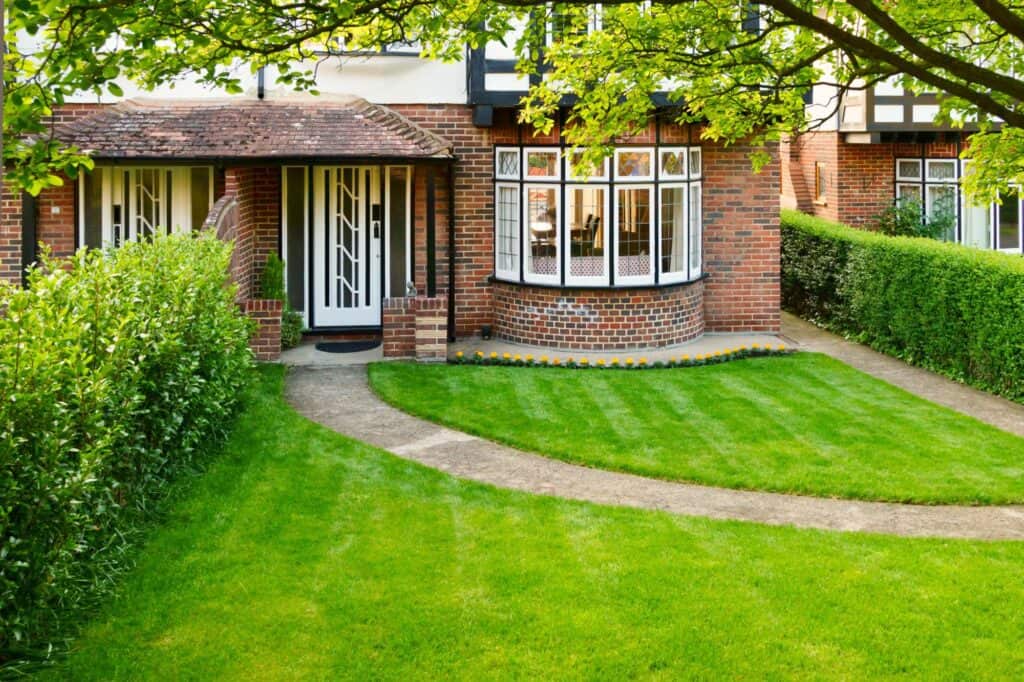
[882,145]
[409,203]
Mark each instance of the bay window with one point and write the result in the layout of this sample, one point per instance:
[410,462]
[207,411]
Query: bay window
[635,220]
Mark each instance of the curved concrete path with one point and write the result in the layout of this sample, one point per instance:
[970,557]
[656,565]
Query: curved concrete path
[340,399]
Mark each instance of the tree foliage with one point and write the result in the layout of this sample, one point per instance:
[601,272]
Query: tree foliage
[741,67]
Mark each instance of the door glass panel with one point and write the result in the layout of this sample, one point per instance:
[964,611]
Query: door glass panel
[200,196]
[295,214]
[634,232]
[585,219]
[1008,230]
[507,228]
[92,218]
[398,231]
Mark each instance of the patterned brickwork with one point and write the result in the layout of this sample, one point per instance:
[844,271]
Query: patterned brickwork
[416,328]
[598,319]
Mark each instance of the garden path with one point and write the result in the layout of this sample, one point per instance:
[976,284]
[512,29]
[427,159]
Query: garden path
[340,399]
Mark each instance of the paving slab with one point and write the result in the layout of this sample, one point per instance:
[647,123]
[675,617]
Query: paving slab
[340,399]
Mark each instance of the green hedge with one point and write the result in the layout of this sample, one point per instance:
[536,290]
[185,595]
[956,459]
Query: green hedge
[950,308]
[117,371]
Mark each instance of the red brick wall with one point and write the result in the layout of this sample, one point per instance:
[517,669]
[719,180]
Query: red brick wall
[415,328]
[598,319]
[10,236]
[741,241]
[797,181]
[399,328]
[258,192]
[57,229]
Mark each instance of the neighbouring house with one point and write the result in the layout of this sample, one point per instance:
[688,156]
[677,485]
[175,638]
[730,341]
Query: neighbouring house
[408,203]
[882,145]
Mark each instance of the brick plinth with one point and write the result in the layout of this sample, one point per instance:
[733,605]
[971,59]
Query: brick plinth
[416,328]
[598,319]
[266,338]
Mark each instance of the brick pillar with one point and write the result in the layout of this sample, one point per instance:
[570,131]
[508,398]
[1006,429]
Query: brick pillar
[266,338]
[10,236]
[431,329]
[399,328]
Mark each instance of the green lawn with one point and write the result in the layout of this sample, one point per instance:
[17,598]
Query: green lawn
[305,555]
[803,423]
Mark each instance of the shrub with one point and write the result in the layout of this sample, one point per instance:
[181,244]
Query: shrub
[949,308]
[272,287]
[117,371]
[906,218]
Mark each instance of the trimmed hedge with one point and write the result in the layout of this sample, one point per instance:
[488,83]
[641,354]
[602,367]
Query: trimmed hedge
[950,308]
[118,370]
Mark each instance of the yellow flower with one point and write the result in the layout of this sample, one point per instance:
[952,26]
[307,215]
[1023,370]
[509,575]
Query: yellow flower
[686,358]
[583,361]
[505,356]
[600,363]
[543,359]
[629,361]
[700,357]
[494,355]
[782,346]
[643,361]
[517,358]
[757,345]
[458,354]
[744,348]
[556,361]
[479,354]
[529,358]
[615,361]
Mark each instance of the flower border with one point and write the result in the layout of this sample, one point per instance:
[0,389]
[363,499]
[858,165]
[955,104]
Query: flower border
[583,362]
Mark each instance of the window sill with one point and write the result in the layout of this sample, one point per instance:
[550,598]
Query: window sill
[597,287]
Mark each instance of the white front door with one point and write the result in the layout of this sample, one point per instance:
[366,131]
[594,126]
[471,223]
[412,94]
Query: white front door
[346,276]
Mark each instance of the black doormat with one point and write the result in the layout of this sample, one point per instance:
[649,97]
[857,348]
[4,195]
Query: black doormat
[346,346]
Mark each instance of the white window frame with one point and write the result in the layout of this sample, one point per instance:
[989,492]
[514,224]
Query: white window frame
[919,178]
[409,229]
[569,177]
[580,280]
[695,232]
[695,171]
[663,174]
[929,163]
[526,177]
[635,178]
[684,274]
[498,151]
[525,243]
[652,234]
[513,274]
[1020,227]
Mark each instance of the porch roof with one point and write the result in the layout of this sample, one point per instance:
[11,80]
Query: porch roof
[223,129]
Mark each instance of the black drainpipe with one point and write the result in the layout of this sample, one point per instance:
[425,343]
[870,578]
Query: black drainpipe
[261,82]
[451,250]
[28,235]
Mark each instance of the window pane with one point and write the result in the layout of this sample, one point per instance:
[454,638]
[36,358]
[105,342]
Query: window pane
[542,164]
[634,232]
[673,230]
[673,163]
[507,230]
[508,163]
[1009,222]
[908,193]
[577,173]
[908,170]
[585,219]
[940,207]
[200,196]
[695,163]
[93,216]
[632,164]
[696,232]
[942,170]
[542,223]
[978,226]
